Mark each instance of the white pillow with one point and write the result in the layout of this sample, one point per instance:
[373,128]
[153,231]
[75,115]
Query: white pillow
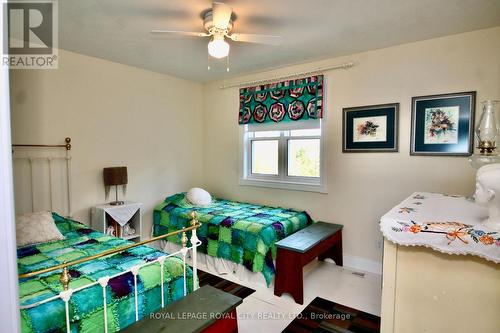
[199,197]
[33,228]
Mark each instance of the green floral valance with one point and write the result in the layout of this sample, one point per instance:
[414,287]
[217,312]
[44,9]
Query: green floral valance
[291,100]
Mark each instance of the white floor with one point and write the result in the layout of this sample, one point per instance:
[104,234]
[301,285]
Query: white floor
[263,312]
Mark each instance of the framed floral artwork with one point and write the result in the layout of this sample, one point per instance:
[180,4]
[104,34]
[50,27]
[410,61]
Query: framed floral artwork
[443,124]
[372,128]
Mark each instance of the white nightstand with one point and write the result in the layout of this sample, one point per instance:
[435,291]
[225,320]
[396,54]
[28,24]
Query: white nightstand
[129,212]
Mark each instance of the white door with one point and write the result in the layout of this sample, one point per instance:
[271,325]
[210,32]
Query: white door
[9,312]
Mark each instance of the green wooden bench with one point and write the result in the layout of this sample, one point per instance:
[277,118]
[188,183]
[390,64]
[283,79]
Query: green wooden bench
[320,239]
[207,310]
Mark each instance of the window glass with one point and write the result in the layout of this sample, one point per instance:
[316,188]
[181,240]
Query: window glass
[304,157]
[265,157]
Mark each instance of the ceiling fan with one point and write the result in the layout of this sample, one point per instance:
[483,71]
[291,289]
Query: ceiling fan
[218,23]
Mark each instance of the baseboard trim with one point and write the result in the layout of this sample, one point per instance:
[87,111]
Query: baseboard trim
[362,264]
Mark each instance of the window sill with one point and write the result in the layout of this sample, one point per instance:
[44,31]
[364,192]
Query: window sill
[284,185]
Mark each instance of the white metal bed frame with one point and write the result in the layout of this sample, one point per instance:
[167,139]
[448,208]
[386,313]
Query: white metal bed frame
[67,292]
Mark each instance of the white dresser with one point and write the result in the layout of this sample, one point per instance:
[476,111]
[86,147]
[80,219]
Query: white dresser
[449,281]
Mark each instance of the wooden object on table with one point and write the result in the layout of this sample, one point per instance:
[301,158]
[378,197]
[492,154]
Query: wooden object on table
[207,310]
[322,240]
[110,222]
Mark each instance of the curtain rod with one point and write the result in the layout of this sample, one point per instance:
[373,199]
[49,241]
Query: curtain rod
[346,65]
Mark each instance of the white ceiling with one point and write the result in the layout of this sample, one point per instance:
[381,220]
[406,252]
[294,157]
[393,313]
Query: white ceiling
[118,30]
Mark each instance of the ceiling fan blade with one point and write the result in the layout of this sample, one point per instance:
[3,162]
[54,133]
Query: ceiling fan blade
[254,38]
[221,14]
[180,33]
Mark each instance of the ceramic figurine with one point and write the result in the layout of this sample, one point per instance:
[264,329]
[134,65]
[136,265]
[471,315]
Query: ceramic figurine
[488,193]
[110,231]
[128,230]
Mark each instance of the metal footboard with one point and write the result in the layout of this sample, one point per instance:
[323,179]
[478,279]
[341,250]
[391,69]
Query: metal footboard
[67,292]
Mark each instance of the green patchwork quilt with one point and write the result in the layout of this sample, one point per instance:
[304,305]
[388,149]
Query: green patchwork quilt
[241,232]
[86,306]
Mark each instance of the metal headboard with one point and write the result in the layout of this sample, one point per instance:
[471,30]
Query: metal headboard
[49,158]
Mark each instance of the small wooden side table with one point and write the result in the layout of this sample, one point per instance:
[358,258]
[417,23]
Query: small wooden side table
[322,240]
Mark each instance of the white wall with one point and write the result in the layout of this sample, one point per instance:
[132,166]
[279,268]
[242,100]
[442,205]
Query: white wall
[115,115]
[363,186]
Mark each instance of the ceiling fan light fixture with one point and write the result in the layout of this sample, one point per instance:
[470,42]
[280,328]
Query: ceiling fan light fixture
[218,47]
[218,26]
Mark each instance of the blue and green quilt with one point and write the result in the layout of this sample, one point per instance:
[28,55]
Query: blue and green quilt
[241,232]
[86,306]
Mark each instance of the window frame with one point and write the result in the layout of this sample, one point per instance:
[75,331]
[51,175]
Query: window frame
[250,142]
[282,180]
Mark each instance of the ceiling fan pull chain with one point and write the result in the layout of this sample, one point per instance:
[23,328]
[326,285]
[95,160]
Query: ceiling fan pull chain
[208,61]
[227,63]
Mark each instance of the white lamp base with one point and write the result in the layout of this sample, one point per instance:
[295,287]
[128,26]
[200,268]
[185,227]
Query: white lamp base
[479,160]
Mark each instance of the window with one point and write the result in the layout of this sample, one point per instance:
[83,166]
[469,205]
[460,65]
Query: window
[288,156]
[304,157]
[265,157]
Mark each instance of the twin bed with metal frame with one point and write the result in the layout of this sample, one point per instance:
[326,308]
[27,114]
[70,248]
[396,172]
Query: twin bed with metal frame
[235,236]
[91,282]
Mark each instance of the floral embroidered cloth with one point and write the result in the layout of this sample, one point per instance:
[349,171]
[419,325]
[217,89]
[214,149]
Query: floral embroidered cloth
[446,223]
